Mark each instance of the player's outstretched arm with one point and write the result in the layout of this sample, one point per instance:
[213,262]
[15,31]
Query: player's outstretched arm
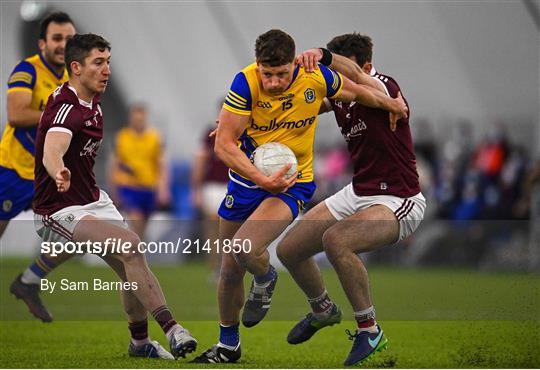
[56,145]
[351,70]
[19,113]
[310,59]
[373,98]
[230,128]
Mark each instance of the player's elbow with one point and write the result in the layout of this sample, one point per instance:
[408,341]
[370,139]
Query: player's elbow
[49,158]
[15,119]
[46,162]
[221,149]
[218,151]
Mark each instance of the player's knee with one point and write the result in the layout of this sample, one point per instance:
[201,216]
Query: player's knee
[244,259]
[284,253]
[133,254]
[331,244]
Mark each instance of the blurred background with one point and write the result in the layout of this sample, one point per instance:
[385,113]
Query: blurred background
[470,71]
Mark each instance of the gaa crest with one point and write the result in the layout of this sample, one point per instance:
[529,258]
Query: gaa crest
[309,94]
[7,205]
[229,201]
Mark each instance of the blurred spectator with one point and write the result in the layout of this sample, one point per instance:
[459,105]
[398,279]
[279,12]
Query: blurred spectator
[138,174]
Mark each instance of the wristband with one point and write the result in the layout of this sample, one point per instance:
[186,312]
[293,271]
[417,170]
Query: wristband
[326,59]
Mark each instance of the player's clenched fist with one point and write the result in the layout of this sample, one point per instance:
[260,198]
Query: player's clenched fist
[278,183]
[63,180]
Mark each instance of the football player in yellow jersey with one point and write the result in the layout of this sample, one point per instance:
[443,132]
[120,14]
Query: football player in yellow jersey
[138,170]
[270,100]
[29,87]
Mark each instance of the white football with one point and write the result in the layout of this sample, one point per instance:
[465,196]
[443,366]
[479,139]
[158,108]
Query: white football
[271,157]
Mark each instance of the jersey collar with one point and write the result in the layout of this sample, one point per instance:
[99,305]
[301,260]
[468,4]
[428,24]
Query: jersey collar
[295,74]
[81,102]
[48,66]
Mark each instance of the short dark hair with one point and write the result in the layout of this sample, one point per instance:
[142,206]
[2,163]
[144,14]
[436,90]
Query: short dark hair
[56,17]
[274,48]
[79,46]
[353,44]
[138,107]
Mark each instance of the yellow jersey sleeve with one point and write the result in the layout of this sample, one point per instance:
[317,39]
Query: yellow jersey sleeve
[238,99]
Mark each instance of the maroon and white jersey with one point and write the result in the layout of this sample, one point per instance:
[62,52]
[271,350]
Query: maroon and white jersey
[216,170]
[384,161]
[65,112]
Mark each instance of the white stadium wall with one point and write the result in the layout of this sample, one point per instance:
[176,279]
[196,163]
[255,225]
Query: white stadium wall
[475,60]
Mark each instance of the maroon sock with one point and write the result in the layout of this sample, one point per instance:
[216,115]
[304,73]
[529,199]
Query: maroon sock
[365,324]
[164,318]
[139,329]
[322,304]
[365,318]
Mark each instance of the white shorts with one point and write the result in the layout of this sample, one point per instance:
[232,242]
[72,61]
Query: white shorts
[409,211]
[212,196]
[59,226]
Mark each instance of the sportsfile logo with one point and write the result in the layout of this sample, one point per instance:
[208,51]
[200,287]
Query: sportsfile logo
[287,125]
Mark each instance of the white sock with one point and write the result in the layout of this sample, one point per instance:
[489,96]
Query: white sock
[367,314]
[230,348]
[171,331]
[29,277]
[140,342]
[263,285]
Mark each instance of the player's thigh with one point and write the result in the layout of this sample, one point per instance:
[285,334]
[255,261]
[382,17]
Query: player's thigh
[364,231]
[227,228]
[304,239]
[96,230]
[265,224]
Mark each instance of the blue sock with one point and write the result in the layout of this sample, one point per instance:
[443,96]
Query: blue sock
[262,279]
[42,266]
[229,335]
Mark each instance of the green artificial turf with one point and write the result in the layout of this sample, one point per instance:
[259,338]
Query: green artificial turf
[432,318]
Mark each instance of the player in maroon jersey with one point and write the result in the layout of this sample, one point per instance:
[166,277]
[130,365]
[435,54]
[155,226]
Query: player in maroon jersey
[382,205]
[70,207]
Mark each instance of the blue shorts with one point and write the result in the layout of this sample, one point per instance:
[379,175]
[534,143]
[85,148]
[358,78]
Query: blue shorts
[141,200]
[240,201]
[15,193]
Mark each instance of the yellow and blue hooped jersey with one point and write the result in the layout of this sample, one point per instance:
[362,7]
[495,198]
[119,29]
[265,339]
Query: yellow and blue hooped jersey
[139,156]
[17,146]
[289,118]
